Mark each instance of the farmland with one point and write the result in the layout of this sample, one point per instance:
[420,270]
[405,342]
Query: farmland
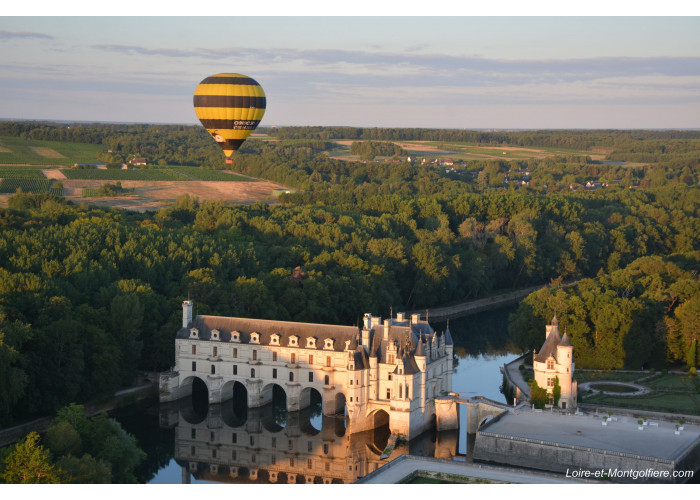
[159,174]
[15,150]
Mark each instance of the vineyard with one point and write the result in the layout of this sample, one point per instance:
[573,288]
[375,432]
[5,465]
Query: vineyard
[21,173]
[125,175]
[19,151]
[26,185]
[203,174]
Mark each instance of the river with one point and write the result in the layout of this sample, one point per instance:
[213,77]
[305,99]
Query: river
[193,443]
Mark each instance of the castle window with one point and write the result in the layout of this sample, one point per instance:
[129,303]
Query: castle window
[291,447]
[328,344]
[216,351]
[252,458]
[252,373]
[233,455]
[274,339]
[550,382]
[234,438]
[291,377]
[235,352]
[274,356]
[400,391]
[309,463]
[328,361]
[351,399]
[391,359]
[192,450]
[311,342]
[388,393]
[213,453]
[328,466]
[325,448]
[550,364]
[194,366]
[235,336]
[293,341]
[311,376]
[273,459]
[194,349]
[294,358]
[351,382]
[311,359]
[235,369]
[309,446]
[213,369]
[291,462]
[255,354]
[215,334]
[211,436]
[390,376]
[255,338]
[274,373]
[274,442]
[252,440]
[327,380]
[193,433]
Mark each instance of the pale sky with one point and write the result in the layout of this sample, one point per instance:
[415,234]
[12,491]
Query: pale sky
[443,72]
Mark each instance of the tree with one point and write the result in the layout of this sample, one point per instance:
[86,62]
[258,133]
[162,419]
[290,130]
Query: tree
[29,463]
[538,395]
[556,391]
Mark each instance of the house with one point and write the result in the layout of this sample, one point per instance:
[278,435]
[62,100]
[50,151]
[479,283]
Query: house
[138,161]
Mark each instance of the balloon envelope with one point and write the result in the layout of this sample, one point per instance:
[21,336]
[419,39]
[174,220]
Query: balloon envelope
[230,106]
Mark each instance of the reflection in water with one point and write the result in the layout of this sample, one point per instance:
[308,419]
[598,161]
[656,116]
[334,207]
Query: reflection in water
[235,446]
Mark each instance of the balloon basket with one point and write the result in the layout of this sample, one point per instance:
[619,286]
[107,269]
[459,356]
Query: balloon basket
[229,161]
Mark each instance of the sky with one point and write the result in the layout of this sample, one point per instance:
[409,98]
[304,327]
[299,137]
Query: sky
[486,72]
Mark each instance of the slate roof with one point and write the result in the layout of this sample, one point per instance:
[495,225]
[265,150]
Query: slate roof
[565,341]
[265,327]
[549,348]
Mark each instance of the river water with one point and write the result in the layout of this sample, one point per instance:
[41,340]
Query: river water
[194,443]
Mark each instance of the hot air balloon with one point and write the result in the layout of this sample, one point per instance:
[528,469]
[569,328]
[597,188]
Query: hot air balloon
[230,106]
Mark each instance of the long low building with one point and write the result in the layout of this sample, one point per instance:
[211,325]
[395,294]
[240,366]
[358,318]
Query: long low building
[570,443]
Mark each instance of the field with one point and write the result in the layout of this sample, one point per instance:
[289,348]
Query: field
[28,152]
[203,174]
[465,151]
[26,185]
[156,174]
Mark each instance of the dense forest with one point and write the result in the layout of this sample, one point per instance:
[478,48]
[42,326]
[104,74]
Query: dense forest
[86,291]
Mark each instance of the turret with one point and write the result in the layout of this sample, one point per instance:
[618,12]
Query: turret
[187,313]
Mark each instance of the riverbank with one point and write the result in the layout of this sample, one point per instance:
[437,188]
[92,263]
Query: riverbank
[146,389]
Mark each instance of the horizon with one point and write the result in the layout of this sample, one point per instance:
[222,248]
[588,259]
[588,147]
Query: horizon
[480,73]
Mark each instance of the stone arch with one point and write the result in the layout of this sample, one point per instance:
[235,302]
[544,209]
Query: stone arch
[234,410]
[194,408]
[311,413]
[341,414]
[380,421]
[276,410]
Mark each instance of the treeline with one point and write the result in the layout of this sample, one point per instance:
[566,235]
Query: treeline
[368,150]
[160,144]
[645,315]
[579,139]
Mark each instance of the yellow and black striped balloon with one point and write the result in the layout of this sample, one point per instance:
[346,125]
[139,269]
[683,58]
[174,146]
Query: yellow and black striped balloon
[230,106]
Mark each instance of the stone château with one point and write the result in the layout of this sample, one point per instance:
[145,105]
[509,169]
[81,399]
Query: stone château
[387,371]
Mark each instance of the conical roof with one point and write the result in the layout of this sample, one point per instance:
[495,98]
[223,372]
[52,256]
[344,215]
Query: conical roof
[419,350]
[565,341]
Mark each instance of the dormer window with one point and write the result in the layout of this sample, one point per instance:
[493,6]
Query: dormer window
[215,335]
[550,364]
[275,339]
[235,336]
[294,341]
[328,343]
[255,338]
[311,342]
[194,333]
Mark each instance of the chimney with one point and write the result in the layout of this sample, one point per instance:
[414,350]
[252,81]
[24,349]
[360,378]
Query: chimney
[387,324]
[401,316]
[376,321]
[415,318]
[187,313]
[367,321]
